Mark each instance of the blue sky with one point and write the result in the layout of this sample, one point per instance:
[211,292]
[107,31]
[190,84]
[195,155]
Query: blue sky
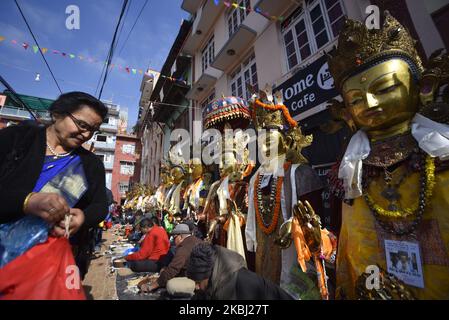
[148,45]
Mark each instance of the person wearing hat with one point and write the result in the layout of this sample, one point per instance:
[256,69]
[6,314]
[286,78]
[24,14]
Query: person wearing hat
[173,276]
[221,274]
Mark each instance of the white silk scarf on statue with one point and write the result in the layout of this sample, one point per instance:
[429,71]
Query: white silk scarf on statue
[289,256]
[432,137]
[234,234]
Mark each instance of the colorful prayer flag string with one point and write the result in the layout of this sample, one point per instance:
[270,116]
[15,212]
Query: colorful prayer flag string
[127,69]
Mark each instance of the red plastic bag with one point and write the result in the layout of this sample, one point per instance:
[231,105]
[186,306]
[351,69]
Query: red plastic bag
[45,272]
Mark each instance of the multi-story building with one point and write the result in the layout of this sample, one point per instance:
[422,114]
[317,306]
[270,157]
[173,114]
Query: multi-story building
[126,168]
[104,142]
[166,109]
[149,137]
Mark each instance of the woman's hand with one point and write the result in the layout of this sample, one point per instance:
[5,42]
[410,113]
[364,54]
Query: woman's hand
[49,206]
[76,221]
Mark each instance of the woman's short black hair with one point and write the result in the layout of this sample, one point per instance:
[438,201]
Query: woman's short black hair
[155,221]
[72,101]
[146,223]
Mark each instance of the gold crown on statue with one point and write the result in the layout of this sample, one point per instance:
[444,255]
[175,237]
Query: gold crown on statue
[267,114]
[360,48]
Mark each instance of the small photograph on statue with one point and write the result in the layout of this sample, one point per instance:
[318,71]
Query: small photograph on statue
[404,261]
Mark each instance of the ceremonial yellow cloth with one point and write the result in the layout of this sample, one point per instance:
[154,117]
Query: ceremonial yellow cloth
[360,243]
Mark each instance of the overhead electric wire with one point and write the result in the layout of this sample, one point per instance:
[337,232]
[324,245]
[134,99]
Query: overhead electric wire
[111,49]
[9,65]
[132,28]
[123,24]
[35,40]
[118,37]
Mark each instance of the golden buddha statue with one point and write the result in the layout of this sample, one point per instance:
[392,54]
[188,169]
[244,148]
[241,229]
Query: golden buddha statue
[196,192]
[156,202]
[283,179]
[395,217]
[226,203]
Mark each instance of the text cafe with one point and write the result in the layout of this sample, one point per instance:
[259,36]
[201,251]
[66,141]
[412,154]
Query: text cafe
[306,94]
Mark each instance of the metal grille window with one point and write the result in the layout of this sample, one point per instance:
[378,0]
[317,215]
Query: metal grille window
[237,15]
[245,74]
[126,168]
[208,100]
[101,138]
[123,187]
[208,54]
[308,29]
[128,148]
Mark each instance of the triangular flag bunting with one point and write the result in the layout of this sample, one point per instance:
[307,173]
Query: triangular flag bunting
[140,71]
[25,45]
[2,38]
[127,70]
[72,56]
[44,50]
[64,54]
[81,57]
[35,49]
[55,51]
[134,71]
[14,41]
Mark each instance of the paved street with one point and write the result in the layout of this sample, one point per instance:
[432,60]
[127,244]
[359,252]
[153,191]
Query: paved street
[99,283]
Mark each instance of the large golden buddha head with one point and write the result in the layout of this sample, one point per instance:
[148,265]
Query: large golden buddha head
[377,72]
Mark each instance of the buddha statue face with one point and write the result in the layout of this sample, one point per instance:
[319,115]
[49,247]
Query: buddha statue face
[195,169]
[177,174]
[272,143]
[228,163]
[231,167]
[165,180]
[382,96]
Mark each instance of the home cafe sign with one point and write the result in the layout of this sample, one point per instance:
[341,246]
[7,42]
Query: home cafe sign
[308,88]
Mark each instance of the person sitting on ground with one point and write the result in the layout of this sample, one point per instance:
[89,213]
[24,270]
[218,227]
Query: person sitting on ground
[173,276]
[153,249]
[221,274]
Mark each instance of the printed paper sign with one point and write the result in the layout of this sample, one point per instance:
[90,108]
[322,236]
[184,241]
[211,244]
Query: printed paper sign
[404,261]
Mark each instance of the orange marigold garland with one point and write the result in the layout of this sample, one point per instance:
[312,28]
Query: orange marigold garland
[277,206]
[281,107]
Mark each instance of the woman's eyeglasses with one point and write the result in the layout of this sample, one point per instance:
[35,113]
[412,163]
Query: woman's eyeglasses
[82,125]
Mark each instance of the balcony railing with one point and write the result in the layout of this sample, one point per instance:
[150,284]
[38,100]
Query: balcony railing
[22,113]
[100,145]
[109,127]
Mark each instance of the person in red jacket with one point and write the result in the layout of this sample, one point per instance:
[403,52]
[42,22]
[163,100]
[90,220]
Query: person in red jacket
[154,249]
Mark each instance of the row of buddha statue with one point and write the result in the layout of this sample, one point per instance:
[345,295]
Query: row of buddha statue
[393,176]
